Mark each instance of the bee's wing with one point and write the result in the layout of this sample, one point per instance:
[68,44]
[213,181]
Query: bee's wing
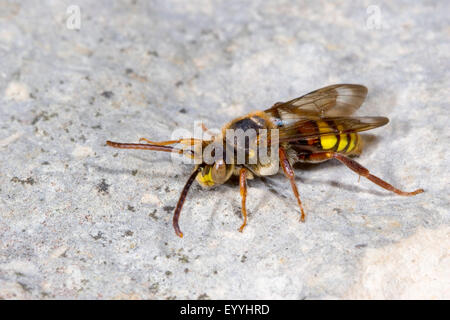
[307,128]
[332,101]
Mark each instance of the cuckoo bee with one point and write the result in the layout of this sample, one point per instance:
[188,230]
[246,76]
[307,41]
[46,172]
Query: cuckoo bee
[314,128]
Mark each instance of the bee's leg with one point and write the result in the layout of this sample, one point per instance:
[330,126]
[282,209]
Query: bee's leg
[183,195]
[243,189]
[208,132]
[360,170]
[289,172]
[204,128]
[189,141]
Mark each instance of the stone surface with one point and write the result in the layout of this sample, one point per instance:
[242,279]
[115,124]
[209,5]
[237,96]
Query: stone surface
[81,220]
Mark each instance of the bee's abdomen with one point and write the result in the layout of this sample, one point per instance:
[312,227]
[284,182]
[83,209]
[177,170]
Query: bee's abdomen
[346,143]
[343,143]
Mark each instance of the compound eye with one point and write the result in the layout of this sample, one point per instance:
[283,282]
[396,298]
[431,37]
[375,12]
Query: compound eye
[219,171]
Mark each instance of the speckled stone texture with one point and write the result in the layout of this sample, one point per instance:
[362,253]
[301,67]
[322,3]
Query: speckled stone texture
[81,220]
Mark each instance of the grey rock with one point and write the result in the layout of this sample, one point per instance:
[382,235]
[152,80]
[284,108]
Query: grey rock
[80,220]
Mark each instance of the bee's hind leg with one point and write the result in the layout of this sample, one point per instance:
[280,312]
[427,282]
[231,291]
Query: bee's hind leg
[289,173]
[360,170]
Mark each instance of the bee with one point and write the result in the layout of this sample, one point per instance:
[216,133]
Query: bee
[313,128]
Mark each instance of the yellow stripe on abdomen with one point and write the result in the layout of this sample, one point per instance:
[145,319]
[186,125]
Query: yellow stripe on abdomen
[343,141]
[352,144]
[327,141]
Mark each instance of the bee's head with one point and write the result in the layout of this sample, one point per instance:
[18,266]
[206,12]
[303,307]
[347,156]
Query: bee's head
[213,174]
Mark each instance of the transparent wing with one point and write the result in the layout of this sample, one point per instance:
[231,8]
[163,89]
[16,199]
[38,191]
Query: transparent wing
[307,128]
[332,101]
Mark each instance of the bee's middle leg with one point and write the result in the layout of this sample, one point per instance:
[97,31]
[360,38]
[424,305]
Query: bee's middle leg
[289,173]
[243,190]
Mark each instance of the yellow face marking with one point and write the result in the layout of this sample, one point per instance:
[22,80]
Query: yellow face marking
[205,180]
[327,141]
[343,140]
[352,143]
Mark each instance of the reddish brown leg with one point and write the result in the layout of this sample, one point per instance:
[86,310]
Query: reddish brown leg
[289,172]
[243,189]
[359,169]
[183,195]
[205,129]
